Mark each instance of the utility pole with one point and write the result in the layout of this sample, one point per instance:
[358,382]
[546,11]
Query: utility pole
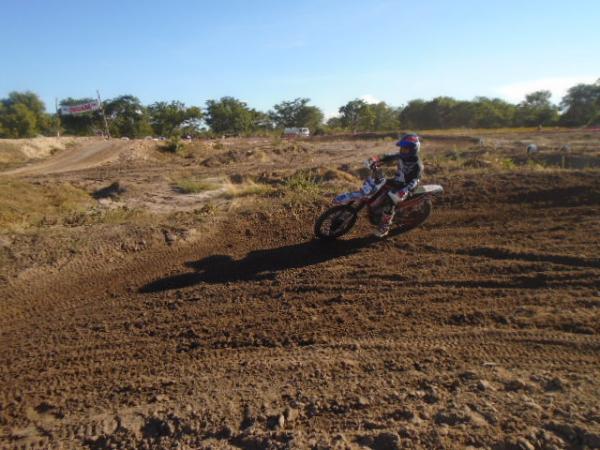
[57,117]
[103,114]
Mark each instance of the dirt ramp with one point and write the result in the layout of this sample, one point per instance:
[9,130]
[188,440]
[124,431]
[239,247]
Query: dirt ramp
[85,156]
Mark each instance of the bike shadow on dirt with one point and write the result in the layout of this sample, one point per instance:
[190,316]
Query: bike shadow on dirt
[259,264]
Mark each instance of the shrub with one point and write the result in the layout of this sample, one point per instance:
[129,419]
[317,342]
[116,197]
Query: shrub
[302,181]
[302,187]
[507,164]
[173,145]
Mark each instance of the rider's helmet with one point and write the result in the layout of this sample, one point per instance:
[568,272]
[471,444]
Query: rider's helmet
[409,145]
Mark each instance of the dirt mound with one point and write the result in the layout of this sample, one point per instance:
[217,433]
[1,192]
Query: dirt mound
[88,153]
[40,147]
[234,156]
[16,152]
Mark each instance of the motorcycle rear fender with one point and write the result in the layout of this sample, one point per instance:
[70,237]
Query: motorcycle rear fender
[424,190]
[431,189]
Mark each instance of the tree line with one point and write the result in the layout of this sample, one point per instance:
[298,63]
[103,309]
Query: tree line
[23,114]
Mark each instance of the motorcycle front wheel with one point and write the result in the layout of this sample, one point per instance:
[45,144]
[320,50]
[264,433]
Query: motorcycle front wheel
[335,222]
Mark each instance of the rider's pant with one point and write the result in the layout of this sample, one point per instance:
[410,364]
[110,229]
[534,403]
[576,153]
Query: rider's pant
[389,210]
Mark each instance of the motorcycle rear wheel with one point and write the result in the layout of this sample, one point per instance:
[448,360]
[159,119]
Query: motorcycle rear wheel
[335,222]
[415,218]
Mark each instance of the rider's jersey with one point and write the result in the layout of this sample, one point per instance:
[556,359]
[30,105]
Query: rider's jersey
[409,169]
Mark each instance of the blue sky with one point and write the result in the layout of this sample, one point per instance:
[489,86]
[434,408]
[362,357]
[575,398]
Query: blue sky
[266,51]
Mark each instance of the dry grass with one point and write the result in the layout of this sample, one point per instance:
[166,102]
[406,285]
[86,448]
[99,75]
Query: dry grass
[189,184]
[195,186]
[10,154]
[473,159]
[488,131]
[24,205]
[247,189]
[194,150]
[118,216]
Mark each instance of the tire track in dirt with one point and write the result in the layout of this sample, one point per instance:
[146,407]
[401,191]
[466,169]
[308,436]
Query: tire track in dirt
[85,283]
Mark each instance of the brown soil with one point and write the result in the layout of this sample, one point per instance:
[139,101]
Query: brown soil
[480,329]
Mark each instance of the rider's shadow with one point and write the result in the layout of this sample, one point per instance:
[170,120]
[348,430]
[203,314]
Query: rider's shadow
[259,264]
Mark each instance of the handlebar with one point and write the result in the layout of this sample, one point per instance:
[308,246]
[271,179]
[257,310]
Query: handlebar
[377,171]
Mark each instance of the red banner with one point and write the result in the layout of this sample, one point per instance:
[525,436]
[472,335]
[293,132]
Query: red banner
[80,109]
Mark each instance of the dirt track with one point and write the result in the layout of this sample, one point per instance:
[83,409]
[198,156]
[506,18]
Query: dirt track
[75,158]
[479,329]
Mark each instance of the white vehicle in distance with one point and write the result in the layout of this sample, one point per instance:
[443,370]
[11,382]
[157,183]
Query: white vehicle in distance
[294,131]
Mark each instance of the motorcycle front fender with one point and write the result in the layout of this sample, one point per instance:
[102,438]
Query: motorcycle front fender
[347,198]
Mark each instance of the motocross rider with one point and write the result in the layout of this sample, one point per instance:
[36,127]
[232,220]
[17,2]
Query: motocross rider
[406,179]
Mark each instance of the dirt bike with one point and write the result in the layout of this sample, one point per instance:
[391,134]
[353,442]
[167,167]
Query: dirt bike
[410,213]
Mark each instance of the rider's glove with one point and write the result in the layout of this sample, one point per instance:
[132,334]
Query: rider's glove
[372,163]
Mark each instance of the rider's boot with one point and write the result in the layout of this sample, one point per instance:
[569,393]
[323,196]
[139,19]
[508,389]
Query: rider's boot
[384,224]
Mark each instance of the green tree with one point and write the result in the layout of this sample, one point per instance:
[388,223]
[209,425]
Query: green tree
[367,118]
[3,132]
[19,122]
[446,112]
[357,115]
[463,114]
[442,112]
[334,122]
[28,99]
[168,118]
[492,113]
[536,109]
[296,113]
[414,115]
[386,117]
[230,116]
[581,105]
[127,117]
[433,114]
[23,115]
